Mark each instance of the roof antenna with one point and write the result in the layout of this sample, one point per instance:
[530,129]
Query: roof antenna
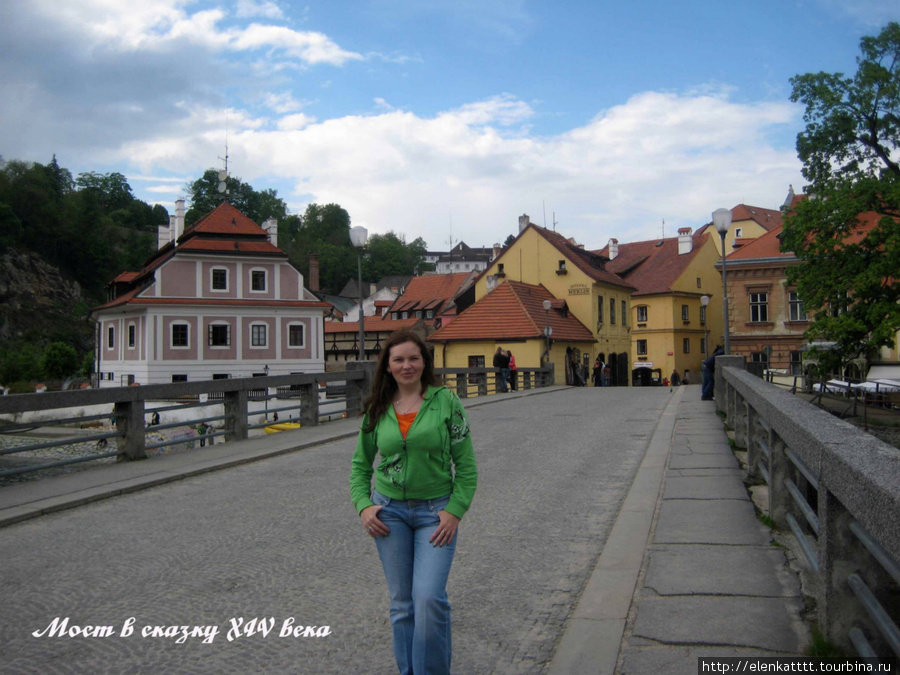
[450,241]
[554,221]
[223,174]
[664,228]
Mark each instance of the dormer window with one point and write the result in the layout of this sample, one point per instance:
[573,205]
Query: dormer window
[562,267]
[500,272]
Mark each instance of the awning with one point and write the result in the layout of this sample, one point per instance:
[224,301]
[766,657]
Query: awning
[884,372]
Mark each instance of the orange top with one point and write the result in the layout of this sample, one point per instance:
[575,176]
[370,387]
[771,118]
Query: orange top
[405,421]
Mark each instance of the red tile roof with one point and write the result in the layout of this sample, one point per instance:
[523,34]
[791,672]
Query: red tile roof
[224,230]
[653,266]
[768,219]
[430,291]
[224,219]
[374,324]
[229,246]
[514,311]
[766,246]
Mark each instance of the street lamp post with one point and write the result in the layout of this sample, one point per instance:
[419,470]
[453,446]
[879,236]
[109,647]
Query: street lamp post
[358,237]
[722,221]
[548,331]
[704,301]
[266,390]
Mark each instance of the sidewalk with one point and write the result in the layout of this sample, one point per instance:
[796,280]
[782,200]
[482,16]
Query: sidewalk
[688,570]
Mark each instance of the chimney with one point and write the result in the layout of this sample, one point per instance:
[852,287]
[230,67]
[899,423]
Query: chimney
[314,272]
[613,249]
[685,242]
[496,252]
[524,221]
[164,232]
[271,228]
[179,219]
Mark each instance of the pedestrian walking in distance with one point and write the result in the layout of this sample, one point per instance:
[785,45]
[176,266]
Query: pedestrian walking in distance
[424,485]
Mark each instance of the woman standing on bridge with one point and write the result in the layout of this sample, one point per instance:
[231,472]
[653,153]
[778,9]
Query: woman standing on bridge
[419,430]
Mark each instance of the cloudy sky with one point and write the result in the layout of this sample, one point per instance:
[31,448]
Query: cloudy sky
[431,117]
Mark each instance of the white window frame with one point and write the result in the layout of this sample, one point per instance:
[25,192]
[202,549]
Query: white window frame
[212,276]
[642,314]
[265,328]
[302,327]
[759,306]
[187,327]
[795,307]
[209,341]
[111,337]
[132,335]
[265,277]
[641,347]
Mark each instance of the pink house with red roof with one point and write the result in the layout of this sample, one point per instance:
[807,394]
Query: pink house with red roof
[218,300]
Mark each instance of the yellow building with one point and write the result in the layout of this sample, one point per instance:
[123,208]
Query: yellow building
[747,224]
[597,298]
[671,328]
[512,317]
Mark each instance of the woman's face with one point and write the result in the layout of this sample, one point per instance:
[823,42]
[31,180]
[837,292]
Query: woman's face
[405,363]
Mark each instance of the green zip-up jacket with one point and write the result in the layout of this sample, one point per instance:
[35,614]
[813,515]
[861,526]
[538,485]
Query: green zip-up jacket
[435,459]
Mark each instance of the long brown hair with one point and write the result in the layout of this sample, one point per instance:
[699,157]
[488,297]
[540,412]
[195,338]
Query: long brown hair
[384,386]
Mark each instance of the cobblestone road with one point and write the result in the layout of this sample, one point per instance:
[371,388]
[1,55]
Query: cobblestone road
[279,539]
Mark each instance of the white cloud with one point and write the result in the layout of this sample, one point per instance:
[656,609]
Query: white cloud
[282,103]
[264,8]
[158,25]
[657,156]
[295,122]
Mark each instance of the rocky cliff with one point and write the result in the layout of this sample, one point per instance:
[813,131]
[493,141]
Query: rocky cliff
[38,304]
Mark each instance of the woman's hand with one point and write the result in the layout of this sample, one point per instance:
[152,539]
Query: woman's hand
[370,521]
[446,530]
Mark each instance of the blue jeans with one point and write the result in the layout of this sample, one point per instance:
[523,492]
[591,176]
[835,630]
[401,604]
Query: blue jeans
[504,379]
[416,573]
[706,391]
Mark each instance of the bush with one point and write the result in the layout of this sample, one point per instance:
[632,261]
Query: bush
[59,361]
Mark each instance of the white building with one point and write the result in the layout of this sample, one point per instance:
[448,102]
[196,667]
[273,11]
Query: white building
[216,301]
[463,258]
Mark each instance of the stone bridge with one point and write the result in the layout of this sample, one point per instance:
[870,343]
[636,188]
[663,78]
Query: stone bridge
[611,532]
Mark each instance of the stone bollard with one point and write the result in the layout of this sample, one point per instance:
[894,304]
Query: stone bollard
[236,415]
[130,424]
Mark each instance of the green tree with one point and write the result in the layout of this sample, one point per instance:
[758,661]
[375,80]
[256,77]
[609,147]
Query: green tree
[849,149]
[325,231]
[390,254]
[258,206]
[113,190]
[59,361]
